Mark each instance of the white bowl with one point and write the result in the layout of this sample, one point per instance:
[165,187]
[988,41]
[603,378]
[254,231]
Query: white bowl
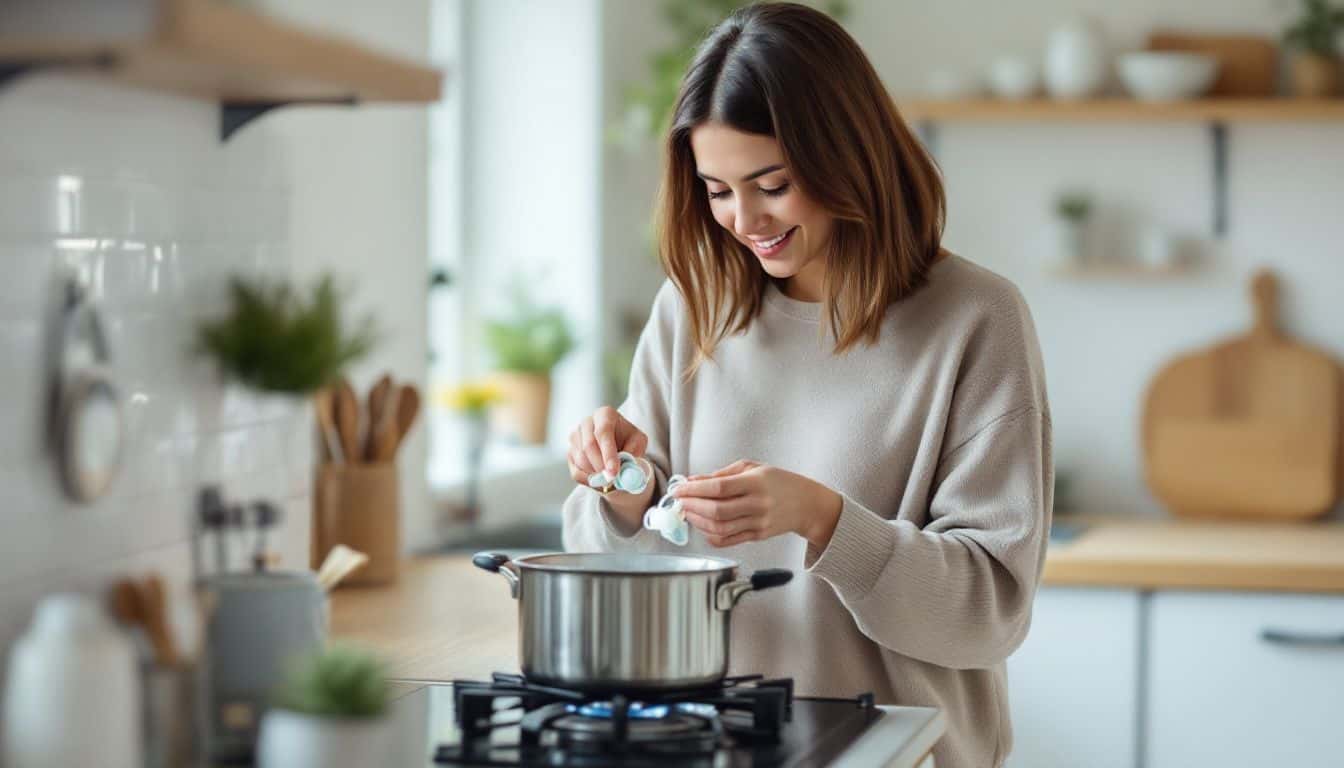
[1013,77]
[1167,75]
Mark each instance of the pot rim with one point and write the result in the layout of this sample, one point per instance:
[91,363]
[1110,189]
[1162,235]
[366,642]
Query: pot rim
[715,564]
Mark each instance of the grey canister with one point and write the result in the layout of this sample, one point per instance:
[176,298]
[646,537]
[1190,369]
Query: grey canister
[260,624]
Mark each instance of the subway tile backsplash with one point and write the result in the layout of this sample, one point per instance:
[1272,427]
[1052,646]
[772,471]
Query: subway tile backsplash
[134,191]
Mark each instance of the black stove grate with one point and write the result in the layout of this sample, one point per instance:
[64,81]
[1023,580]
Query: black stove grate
[561,726]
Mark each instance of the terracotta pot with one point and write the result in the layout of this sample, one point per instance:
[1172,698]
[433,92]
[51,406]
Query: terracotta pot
[525,409]
[1315,76]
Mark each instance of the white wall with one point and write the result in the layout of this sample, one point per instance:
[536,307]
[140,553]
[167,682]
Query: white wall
[1102,341]
[161,213]
[359,209]
[135,190]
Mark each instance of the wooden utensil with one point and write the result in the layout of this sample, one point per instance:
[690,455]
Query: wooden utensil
[378,395]
[1247,428]
[326,425]
[154,603]
[384,444]
[1247,65]
[347,417]
[408,406]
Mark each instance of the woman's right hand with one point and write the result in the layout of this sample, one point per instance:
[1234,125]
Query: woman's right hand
[593,446]
[595,443]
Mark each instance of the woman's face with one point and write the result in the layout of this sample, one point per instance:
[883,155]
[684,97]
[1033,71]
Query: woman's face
[752,196]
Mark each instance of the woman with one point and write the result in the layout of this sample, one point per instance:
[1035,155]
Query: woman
[851,400]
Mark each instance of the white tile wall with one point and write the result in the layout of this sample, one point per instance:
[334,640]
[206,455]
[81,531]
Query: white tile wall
[135,191]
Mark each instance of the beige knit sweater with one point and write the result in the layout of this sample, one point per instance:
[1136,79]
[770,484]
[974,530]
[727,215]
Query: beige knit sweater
[938,438]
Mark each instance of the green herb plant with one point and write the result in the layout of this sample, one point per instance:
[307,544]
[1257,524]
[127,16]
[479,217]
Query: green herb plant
[532,340]
[273,339]
[1074,206]
[1317,30]
[340,681]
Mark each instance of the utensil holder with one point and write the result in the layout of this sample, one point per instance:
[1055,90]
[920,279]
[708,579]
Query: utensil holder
[358,505]
[171,715]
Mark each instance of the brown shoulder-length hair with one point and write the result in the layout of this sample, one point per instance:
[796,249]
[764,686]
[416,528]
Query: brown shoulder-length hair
[791,72]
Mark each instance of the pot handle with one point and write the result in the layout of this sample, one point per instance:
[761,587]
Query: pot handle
[730,593]
[496,562]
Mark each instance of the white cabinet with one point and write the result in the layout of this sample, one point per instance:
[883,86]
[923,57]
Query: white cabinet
[1220,694]
[1072,684]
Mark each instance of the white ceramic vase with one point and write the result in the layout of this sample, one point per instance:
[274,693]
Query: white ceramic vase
[1075,60]
[294,740]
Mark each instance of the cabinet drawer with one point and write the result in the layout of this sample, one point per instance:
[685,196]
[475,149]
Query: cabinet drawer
[1072,684]
[1242,679]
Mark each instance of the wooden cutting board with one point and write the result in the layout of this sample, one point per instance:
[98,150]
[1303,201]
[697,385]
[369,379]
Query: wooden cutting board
[1247,65]
[1247,428]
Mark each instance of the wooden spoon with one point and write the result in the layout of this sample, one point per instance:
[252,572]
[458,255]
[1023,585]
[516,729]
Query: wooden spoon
[408,406]
[347,418]
[378,394]
[154,603]
[326,425]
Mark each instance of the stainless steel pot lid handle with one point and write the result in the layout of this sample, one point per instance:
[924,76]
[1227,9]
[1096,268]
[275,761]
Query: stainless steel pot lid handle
[730,593]
[496,562]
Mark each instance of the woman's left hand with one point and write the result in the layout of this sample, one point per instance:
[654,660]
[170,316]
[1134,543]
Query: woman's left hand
[751,501]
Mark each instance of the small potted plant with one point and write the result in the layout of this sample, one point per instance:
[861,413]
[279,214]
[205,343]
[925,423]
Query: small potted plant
[1315,61]
[1074,209]
[331,712]
[274,340]
[526,346]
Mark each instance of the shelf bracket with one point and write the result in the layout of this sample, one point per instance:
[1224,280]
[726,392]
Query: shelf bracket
[1218,136]
[233,115]
[928,133]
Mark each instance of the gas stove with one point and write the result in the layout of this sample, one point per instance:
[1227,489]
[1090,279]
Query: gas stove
[745,722]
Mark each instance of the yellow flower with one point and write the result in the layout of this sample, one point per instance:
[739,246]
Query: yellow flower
[470,397]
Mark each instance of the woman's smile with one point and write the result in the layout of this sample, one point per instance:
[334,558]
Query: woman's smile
[769,247]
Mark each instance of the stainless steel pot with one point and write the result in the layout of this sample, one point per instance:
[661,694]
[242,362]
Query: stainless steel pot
[625,622]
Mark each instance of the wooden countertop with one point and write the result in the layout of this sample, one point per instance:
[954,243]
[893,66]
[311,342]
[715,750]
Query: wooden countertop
[1187,554]
[446,619]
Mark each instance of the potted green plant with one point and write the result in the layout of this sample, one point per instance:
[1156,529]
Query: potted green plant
[275,340]
[526,345]
[1073,209]
[330,712]
[1315,64]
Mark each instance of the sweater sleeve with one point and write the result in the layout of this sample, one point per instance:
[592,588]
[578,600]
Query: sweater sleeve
[588,522]
[958,591]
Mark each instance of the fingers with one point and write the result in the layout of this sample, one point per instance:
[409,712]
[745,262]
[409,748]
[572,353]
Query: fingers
[725,487]
[719,510]
[579,468]
[636,443]
[741,465]
[604,430]
[725,534]
[588,445]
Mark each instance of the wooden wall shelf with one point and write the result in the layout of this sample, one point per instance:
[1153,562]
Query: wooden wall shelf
[213,50]
[1125,110]
[1217,113]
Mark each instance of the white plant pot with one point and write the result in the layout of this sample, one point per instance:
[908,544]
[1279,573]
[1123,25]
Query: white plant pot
[293,740]
[1075,60]
[1072,244]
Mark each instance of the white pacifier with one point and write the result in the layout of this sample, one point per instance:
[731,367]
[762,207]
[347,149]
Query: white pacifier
[631,477]
[666,516]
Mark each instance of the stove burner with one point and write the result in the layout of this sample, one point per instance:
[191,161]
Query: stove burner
[560,725]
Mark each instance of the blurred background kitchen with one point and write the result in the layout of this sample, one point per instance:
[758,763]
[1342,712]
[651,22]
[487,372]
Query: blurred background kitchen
[483,212]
